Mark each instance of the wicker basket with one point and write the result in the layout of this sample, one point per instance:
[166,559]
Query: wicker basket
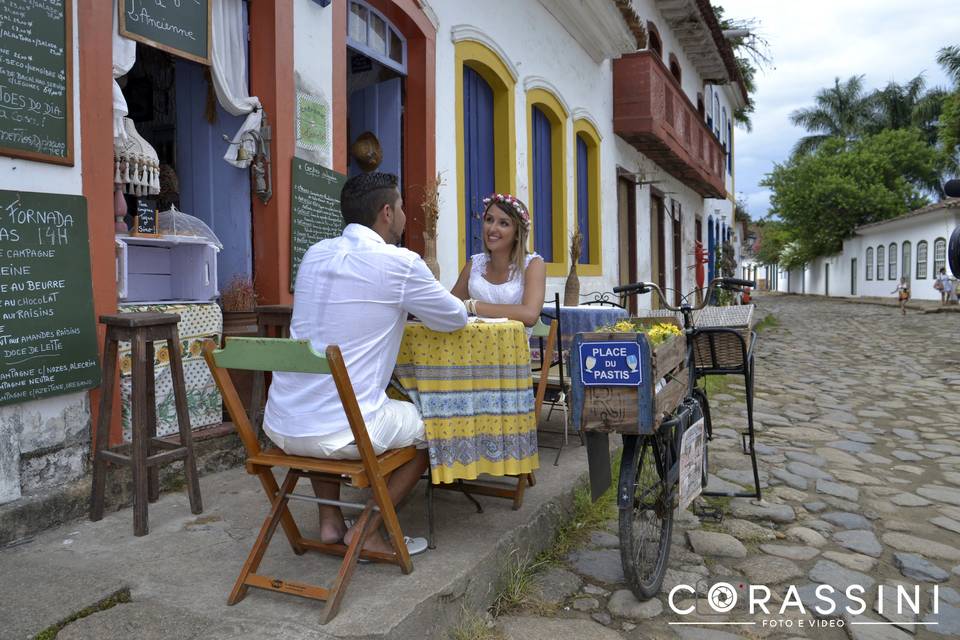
[720,350]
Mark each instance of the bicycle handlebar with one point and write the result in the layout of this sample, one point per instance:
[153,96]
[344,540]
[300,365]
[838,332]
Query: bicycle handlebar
[645,287]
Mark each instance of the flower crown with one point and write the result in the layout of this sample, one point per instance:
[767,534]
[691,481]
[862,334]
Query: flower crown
[515,204]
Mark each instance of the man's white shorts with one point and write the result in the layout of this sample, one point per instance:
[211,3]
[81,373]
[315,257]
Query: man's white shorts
[397,424]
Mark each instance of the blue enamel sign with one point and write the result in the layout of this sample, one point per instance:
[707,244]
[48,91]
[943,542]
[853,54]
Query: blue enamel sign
[610,363]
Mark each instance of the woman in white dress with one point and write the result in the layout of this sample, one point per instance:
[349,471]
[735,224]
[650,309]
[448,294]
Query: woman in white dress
[504,281]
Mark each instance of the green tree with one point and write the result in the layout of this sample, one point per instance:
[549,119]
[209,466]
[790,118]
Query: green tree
[949,123]
[823,196]
[751,53]
[841,111]
[774,236]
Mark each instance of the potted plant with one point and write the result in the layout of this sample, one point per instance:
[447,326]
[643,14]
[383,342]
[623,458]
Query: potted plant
[571,292]
[239,301]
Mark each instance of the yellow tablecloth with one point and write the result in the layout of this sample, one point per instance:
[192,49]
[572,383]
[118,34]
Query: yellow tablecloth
[474,391]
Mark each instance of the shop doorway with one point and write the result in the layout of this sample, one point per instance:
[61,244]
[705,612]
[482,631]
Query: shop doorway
[853,276]
[658,244]
[627,222]
[677,252]
[376,70]
[173,106]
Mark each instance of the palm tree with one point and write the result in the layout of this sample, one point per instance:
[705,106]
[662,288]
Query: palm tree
[841,111]
[949,59]
[893,106]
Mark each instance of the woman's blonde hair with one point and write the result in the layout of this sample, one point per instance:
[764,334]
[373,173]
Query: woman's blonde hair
[517,211]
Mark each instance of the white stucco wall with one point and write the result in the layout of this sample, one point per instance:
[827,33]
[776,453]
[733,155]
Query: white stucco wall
[313,65]
[59,421]
[928,227]
[537,45]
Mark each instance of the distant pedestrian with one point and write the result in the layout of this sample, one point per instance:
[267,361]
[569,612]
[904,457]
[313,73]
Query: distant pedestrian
[944,284]
[903,294]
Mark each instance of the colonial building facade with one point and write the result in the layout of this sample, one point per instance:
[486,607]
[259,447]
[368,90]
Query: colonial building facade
[612,117]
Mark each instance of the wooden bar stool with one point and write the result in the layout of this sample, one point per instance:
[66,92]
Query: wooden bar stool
[273,321]
[141,329]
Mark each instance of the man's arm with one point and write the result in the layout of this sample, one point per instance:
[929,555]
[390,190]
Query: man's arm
[425,297]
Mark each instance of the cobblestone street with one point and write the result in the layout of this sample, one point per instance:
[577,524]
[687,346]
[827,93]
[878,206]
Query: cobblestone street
[856,408]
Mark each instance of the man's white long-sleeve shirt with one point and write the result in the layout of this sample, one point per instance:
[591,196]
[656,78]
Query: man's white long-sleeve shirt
[354,291]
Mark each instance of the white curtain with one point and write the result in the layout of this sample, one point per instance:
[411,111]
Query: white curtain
[229,56]
[124,55]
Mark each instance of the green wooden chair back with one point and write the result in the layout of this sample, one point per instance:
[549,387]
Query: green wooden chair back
[271,354]
[541,330]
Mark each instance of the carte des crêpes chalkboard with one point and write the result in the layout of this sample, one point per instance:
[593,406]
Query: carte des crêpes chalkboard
[36,64]
[315,211]
[48,340]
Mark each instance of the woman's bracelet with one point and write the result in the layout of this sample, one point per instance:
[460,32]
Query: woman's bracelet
[471,306]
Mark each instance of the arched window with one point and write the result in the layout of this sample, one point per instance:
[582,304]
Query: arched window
[716,114]
[939,255]
[723,128]
[546,141]
[892,260]
[654,43]
[675,68]
[486,135]
[709,102]
[588,195]
[922,260]
[869,263]
[880,252]
[905,263]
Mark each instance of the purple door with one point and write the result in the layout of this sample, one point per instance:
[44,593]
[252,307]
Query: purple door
[583,200]
[378,108]
[210,189]
[542,156]
[478,151]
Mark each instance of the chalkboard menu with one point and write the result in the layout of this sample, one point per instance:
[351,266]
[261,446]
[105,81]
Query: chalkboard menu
[145,222]
[36,85]
[315,210]
[48,340]
[180,27]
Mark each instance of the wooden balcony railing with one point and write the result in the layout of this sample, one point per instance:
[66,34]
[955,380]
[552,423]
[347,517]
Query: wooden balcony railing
[653,114]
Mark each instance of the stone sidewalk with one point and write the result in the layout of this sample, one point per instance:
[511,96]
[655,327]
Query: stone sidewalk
[858,416]
[178,577]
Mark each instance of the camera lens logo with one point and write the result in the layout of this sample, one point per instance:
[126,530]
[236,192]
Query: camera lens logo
[722,597]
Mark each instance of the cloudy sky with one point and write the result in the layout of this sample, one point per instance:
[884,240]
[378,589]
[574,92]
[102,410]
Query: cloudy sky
[814,41]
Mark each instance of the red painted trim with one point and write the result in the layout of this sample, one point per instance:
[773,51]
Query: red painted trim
[271,79]
[339,57]
[94,27]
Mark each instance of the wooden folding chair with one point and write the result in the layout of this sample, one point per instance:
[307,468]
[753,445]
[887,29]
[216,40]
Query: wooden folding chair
[371,470]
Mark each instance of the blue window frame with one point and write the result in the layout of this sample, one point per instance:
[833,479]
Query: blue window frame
[711,244]
[478,154]
[370,33]
[542,156]
[583,199]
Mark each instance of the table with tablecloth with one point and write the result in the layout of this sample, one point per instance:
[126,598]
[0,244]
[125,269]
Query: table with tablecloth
[474,390]
[574,320]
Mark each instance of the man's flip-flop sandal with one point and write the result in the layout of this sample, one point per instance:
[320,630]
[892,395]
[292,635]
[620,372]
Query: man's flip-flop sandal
[415,546]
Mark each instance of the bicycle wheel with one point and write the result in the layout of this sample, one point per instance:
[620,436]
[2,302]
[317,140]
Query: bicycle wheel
[647,523]
[701,397]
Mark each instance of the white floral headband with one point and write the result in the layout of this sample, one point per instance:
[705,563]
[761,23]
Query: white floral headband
[515,204]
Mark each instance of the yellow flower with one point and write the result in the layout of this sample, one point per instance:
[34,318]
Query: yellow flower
[162,355]
[126,363]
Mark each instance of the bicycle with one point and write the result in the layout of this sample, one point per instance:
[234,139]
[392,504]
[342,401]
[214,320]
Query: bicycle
[650,472]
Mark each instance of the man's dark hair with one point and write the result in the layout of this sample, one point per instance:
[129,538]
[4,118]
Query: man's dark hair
[364,195]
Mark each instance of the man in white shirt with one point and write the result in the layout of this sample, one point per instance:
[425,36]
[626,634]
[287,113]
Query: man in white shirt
[355,291]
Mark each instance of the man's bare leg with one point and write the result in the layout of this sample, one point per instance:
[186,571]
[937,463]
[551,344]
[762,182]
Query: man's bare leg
[332,526]
[401,482]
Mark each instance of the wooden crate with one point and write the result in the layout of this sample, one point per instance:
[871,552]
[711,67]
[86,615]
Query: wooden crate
[636,410]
